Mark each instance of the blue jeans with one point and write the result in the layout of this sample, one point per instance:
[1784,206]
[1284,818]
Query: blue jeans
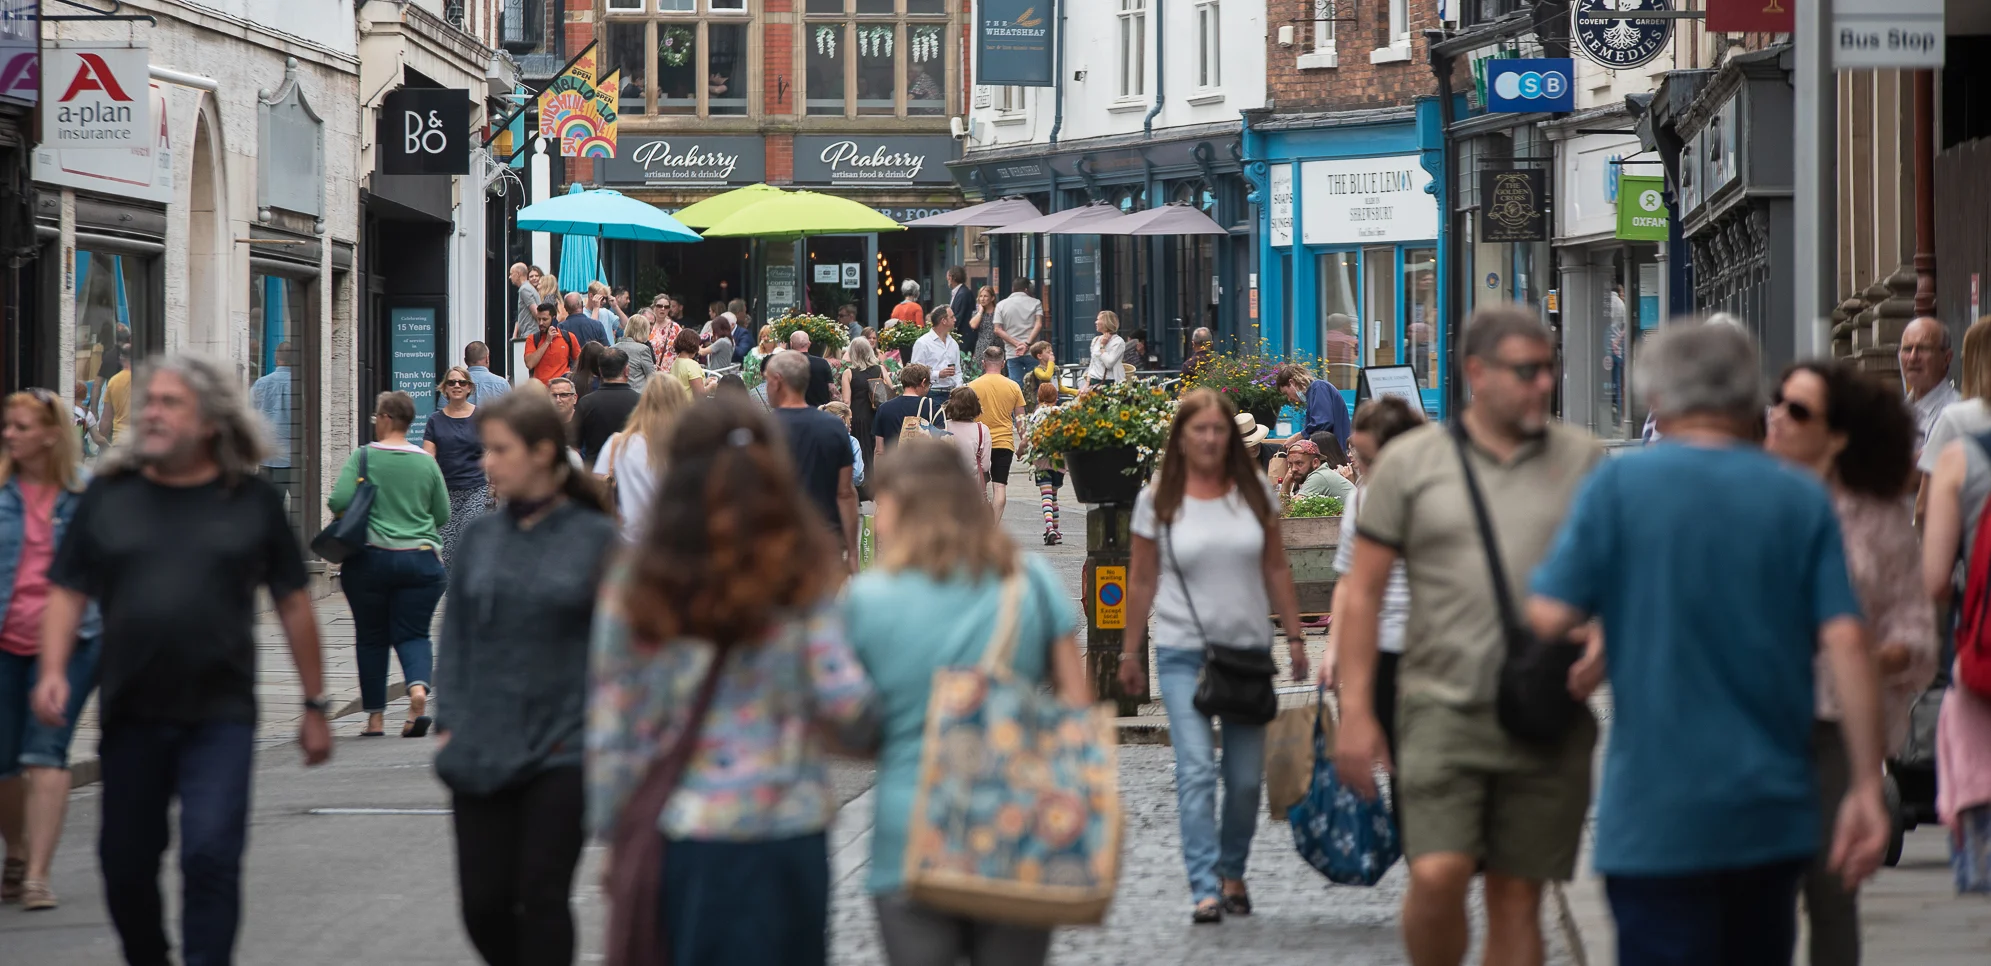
[24,741]
[393,594]
[146,764]
[1734,917]
[1210,851]
[1020,366]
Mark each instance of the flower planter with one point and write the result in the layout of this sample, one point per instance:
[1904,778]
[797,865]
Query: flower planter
[1310,544]
[1299,532]
[1101,475]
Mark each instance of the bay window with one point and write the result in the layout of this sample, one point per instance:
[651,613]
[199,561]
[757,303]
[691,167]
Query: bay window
[875,58]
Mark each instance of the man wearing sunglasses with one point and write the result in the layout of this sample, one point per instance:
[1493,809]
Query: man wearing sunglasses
[1470,797]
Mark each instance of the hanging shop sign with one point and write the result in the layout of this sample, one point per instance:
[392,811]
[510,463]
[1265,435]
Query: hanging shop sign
[424,131]
[143,173]
[1641,208]
[1013,44]
[862,161]
[1528,85]
[93,95]
[1887,34]
[1354,200]
[1282,206]
[20,51]
[1752,16]
[1619,43]
[687,161]
[1514,205]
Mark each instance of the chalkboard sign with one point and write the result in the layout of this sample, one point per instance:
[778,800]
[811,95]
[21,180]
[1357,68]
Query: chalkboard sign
[413,334]
[1399,381]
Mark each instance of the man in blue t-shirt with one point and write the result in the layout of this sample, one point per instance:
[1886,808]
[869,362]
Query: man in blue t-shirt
[1326,411]
[1719,575]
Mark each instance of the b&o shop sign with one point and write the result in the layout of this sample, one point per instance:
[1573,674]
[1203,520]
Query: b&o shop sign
[1356,200]
[95,96]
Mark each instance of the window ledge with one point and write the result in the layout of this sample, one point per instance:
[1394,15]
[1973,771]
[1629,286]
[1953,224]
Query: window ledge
[1126,105]
[1393,54]
[1317,59]
[1010,117]
[1208,95]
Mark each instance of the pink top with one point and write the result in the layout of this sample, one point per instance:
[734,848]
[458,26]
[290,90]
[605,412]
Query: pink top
[1963,752]
[21,632]
[1884,560]
[971,440]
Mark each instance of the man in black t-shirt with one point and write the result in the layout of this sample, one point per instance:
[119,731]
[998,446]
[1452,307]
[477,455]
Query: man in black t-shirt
[890,418]
[607,409]
[172,539]
[820,446]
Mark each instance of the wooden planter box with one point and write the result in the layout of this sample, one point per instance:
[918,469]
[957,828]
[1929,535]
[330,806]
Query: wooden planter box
[1310,544]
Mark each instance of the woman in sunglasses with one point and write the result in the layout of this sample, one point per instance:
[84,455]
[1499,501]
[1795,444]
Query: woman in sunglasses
[450,436]
[1859,438]
[395,583]
[41,482]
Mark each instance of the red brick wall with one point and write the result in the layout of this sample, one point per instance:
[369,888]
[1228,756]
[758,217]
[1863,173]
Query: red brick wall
[1355,84]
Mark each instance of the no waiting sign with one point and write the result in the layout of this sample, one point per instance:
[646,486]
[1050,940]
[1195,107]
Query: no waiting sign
[1109,611]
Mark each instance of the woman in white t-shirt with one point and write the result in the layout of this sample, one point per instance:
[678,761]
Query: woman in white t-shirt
[634,458]
[1208,561]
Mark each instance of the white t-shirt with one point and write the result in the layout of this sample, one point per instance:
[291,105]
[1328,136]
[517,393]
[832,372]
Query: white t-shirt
[1219,546]
[1017,313]
[1396,594]
[1957,420]
[635,481]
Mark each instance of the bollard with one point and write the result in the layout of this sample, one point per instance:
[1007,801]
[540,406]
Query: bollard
[1109,547]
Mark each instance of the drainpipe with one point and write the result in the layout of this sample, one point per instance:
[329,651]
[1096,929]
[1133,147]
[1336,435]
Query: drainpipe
[1161,74]
[1057,86]
[1450,293]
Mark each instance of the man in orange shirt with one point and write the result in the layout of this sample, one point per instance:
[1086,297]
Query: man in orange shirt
[550,352]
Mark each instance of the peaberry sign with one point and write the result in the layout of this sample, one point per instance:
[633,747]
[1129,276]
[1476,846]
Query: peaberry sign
[861,161]
[94,96]
[686,160]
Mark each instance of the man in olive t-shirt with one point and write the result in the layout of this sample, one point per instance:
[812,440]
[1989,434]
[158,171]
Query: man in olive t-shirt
[1469,796]
[1002,407]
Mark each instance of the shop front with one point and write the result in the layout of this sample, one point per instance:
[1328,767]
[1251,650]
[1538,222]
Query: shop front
[1161,287]
[904,177]
[1610,289]
[1349,256]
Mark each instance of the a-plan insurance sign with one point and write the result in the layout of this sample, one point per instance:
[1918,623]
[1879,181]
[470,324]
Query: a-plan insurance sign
[95,96]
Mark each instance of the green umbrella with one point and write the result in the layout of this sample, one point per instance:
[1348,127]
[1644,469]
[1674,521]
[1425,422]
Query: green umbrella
[717,208]
[793,214]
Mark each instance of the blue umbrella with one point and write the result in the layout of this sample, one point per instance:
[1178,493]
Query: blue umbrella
[602,213]
[580,257]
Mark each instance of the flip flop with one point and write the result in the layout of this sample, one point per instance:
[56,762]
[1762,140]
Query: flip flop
[373,734]
[418,728]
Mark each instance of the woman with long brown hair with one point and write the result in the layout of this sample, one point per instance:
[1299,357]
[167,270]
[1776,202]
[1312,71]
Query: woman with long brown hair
[41,484]
[1208,562]
[514,664]
[720,647]
[930,602]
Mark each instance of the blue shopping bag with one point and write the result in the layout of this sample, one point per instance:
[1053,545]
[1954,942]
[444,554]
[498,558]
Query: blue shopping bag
[1349,839]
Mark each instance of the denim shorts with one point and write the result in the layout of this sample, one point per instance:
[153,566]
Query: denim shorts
[24,740]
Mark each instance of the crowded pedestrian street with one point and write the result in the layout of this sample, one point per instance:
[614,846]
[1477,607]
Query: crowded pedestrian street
[352,861]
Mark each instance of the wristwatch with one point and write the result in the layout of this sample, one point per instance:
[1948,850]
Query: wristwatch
[321,704]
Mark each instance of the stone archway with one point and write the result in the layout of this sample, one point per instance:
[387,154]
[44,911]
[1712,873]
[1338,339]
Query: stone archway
[208,245]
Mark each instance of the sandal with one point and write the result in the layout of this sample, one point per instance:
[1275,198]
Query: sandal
[11,876]
[419,722]
[1237,903]
[1208,912]
[36,896]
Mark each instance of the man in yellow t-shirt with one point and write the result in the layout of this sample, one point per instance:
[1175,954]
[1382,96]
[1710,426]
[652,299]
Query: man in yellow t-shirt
[117,403]
[1002,407]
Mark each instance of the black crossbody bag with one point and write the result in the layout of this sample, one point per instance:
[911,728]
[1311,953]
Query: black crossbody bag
[1236,682]
[1533,703]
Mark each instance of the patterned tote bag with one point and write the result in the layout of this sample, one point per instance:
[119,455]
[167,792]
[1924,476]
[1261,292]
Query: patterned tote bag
[1016,818]
[1349,839]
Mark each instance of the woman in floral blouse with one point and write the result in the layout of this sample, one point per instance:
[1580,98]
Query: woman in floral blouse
[748,583]
[1859,438]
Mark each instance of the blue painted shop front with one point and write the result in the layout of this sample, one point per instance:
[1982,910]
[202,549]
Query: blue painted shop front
[1349,242]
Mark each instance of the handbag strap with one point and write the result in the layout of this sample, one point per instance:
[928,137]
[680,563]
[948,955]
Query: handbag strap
[1002,643]
[361,476]
[1509,621]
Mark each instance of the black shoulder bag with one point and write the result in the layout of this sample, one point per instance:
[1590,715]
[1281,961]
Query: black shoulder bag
[346,535]
[1236,683]
[1533,703]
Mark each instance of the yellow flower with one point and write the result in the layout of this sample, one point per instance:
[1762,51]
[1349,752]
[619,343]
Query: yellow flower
[1119,434]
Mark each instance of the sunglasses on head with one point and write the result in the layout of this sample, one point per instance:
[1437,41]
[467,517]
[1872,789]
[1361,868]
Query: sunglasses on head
[1797,411]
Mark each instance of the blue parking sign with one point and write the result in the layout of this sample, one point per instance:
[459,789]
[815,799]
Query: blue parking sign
[1526,86]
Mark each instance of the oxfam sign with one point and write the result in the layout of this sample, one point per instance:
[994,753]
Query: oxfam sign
[1531,85]
[1642,212]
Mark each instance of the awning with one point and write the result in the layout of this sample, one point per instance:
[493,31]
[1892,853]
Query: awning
[1174,218]
[988,214]
[1072,221]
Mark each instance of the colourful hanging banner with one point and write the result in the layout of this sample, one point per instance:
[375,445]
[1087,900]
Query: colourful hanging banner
[601,144]
[567,107]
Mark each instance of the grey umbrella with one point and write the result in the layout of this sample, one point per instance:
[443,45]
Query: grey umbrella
[1174,218]
[988,214]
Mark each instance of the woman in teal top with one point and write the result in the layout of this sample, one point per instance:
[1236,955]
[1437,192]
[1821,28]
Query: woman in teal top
[395,583]
[931,603]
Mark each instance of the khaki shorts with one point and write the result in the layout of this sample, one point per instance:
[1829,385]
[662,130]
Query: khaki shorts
[1464,786]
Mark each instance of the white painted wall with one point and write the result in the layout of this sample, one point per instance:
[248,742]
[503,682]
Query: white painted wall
[1093,106]
[326,23]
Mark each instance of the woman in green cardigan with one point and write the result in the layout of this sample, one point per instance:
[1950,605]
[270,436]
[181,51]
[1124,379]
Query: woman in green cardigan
[395,583]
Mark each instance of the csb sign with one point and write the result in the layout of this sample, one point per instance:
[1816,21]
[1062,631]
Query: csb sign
[95,96]
[1524,86]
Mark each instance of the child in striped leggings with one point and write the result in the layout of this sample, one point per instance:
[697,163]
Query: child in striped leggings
[1049,480]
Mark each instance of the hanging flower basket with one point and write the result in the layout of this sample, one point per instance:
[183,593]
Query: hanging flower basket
[1105,475]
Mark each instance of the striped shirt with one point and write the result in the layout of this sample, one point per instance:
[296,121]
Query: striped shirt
[1396,596]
